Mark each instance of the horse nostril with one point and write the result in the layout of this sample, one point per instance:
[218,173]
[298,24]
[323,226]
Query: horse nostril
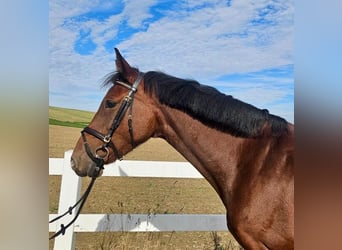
[72,163]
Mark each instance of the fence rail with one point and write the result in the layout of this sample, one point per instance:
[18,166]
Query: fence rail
[70,192]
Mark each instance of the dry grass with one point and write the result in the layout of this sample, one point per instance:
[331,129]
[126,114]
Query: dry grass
[141,195]
[62,139]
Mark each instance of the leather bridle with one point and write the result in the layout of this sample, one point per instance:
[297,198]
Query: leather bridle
[126,104]
[107,141]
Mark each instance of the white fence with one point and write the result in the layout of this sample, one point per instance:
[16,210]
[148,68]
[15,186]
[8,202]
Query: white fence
[70,192]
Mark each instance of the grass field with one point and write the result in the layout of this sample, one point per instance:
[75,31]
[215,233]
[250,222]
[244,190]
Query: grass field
[137,195]
[70,115]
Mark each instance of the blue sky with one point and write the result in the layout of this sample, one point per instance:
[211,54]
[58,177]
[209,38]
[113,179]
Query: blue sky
[243,48]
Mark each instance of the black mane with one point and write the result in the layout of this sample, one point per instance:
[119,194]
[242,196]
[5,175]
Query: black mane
[208,105]
[211,107]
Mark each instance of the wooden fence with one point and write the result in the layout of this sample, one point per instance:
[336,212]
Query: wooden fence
[70,192]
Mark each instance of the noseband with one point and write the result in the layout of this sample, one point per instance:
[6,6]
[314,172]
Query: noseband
[107,139]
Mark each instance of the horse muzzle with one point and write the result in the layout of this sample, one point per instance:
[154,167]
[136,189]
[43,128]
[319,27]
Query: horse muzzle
[90,168]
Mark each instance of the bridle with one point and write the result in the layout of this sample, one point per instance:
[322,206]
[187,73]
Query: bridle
[98,159]
[126,104]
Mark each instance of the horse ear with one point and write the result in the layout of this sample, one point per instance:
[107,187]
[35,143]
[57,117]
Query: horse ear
[122,65]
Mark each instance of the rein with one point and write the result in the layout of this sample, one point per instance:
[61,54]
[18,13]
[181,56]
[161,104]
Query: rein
[82,201]
[98,159]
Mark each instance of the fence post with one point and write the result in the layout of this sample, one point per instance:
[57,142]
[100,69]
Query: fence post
[70,192]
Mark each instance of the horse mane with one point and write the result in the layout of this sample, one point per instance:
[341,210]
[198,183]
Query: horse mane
[110,78]
[208,105]
[211,107]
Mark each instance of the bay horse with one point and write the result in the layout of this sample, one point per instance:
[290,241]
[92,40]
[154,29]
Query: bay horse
[245,153]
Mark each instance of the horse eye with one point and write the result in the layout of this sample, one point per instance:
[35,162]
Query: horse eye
[110,104]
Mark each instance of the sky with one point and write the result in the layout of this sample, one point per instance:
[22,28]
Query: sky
[243,48]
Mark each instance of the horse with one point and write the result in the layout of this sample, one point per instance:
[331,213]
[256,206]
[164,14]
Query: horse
[245,153]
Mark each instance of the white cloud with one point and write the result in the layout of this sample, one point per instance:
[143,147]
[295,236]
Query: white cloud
[211,42]
[137,11]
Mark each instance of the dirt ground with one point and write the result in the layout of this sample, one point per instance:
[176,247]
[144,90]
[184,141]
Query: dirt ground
[141,195]
[62,139]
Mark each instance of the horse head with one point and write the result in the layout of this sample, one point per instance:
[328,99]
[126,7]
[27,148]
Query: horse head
[123,120]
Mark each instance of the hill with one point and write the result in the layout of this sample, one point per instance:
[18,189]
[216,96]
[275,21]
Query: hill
[69,117]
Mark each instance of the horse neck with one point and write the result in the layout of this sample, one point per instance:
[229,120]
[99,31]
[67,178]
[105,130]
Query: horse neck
[204,147]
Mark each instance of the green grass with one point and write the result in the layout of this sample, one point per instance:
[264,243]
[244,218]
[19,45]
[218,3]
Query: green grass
[69,117]
[68,124]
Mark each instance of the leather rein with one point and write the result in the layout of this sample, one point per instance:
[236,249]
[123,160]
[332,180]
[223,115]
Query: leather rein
[98,158]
